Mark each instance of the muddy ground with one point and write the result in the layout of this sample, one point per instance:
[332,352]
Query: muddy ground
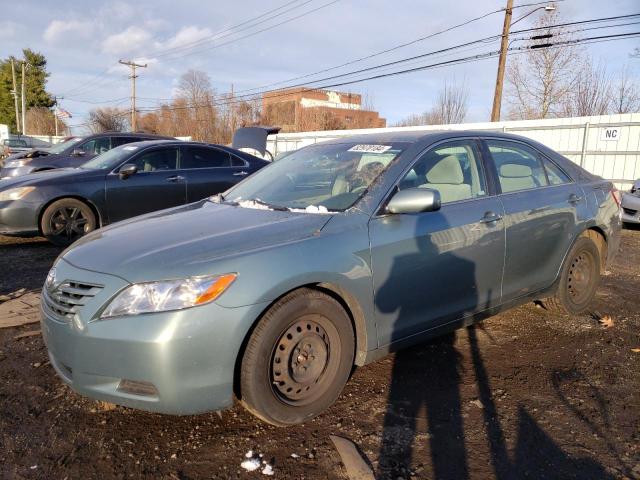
[526,394]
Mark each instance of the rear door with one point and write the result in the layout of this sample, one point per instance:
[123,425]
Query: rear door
[542,206]
[157,184]
[210,170]
[436,267]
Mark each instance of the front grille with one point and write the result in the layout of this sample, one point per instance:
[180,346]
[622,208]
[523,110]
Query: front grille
[628,211]
[65,299]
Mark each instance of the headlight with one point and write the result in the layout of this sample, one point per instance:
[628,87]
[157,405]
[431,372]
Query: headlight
[15,193]
[168,295]
[16,163]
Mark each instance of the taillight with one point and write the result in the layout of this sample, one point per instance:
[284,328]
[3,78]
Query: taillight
[615,193]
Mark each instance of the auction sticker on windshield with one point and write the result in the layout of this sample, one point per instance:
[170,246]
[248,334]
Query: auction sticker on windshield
[369,148]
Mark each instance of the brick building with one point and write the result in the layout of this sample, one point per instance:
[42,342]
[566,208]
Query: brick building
[299,109]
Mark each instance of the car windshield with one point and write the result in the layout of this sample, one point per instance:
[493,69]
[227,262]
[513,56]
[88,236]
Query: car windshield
[111,158]
[318,178]
[59,147]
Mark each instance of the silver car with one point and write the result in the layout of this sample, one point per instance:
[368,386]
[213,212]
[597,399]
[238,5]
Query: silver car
[331,257]
[631,204]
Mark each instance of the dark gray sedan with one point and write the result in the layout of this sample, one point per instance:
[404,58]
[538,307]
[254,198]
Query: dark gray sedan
[331,257]
[129,180]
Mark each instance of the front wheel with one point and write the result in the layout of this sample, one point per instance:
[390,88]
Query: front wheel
[579,279]
[297,359]
[66,220]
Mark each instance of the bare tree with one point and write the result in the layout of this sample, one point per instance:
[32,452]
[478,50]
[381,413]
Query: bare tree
[108,119]
[195,89]
[591,92]
[540,79]
[451,106]
[41,121]
[625,95]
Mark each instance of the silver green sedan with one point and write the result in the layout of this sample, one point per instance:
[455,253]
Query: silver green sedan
[331,257]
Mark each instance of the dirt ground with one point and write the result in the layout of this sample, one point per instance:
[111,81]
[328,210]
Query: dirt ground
[526,394]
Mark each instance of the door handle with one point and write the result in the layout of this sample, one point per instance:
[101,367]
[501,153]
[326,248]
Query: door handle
[175,178]
[241,173]
[490,217]
[573,198]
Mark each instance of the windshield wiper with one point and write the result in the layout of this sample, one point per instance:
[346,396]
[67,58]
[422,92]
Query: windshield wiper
[278,208]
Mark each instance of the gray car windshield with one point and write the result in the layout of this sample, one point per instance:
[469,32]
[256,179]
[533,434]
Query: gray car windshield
[318,178]
[111,158]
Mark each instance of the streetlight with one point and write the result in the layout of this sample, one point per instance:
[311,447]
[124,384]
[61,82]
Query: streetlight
[502,61]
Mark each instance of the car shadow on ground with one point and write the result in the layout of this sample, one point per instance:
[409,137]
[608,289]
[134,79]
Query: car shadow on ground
[425,413]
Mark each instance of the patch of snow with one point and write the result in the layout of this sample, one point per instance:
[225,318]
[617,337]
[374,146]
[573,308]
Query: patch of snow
[252,204]
[249,454]
[251,464]
[311,209]
[267,470]
[295,455]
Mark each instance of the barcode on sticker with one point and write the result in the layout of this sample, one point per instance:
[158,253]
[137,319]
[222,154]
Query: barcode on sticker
[370,148]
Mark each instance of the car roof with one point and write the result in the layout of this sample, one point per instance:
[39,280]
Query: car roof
[414,136]
[127,134]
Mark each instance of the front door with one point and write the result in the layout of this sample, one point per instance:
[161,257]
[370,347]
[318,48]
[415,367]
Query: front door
[436,267]
[156,185]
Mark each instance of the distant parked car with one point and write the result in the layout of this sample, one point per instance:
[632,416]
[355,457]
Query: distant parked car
[126,181]
[71,153]
[631,204]
[331,257]
[19,144]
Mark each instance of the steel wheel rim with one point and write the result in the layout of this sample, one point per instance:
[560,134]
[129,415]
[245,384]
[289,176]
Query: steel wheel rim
[69,223]
[301,361]
[580,277]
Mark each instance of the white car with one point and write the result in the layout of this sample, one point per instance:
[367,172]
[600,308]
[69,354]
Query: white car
[631,204]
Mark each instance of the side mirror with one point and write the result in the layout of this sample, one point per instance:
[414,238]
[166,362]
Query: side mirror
[127,170]
[78,152]
[414,200]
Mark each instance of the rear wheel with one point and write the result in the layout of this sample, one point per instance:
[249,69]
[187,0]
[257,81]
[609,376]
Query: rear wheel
[66,220]
[298,358]
[579,279]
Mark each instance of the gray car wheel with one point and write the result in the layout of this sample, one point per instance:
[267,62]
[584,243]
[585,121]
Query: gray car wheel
[66,220]
[297,359]
[579,279]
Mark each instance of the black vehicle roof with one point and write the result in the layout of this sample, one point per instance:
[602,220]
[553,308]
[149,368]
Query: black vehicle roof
[127,134]
[150,143]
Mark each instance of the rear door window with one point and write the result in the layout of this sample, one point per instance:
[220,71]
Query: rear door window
[202,157]
[554,174]
[519,167]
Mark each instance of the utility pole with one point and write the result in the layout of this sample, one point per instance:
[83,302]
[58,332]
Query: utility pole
[133,77]
[497,97]
[55,112]
[14,92]
[24,103]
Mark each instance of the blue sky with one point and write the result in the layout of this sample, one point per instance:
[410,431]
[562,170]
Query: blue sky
[83,41]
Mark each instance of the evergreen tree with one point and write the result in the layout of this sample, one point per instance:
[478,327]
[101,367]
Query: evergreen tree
[35,86]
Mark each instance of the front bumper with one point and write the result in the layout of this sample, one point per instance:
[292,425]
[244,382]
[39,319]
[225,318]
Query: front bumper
[188,356]
[19,217]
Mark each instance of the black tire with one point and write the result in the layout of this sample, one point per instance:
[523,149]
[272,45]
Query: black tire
[579,279]
[66,220]
[309,334]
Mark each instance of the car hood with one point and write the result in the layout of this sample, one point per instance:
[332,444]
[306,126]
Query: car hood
[48,176]
[184,241]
